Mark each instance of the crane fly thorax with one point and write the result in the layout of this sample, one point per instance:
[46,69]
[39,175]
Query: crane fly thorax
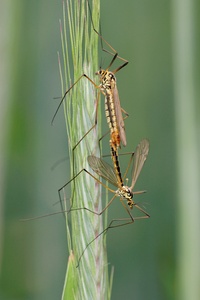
[108,80]
[125,192]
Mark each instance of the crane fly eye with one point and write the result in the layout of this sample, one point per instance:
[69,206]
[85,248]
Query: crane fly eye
[111,76]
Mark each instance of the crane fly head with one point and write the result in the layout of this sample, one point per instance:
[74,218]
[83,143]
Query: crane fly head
[130,203]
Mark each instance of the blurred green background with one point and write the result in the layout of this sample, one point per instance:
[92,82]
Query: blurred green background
[153,259]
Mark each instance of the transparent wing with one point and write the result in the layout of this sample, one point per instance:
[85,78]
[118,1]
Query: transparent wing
[119,117]
[140,156]
[103,169]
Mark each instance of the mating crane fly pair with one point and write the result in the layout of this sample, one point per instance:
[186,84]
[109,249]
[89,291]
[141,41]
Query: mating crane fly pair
[115,120]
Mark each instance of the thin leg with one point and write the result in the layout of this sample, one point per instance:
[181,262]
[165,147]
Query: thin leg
[83,75]
[105,186]
[143,211]
[103,40]
[126,221]
[73,209]
[128,167]
[125,112]
[103,232]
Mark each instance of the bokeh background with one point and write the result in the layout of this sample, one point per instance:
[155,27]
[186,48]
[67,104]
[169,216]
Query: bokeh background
[156,258]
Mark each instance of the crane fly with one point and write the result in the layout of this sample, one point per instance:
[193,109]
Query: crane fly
[113,176]
[108,88]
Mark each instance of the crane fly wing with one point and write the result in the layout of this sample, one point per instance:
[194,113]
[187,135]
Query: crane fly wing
[103,169]
[119,117]
[140,156]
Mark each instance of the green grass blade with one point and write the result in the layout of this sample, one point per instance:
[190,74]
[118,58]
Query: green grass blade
[80,55]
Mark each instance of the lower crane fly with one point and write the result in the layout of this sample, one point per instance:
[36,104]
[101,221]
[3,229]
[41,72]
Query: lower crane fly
[113,176]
